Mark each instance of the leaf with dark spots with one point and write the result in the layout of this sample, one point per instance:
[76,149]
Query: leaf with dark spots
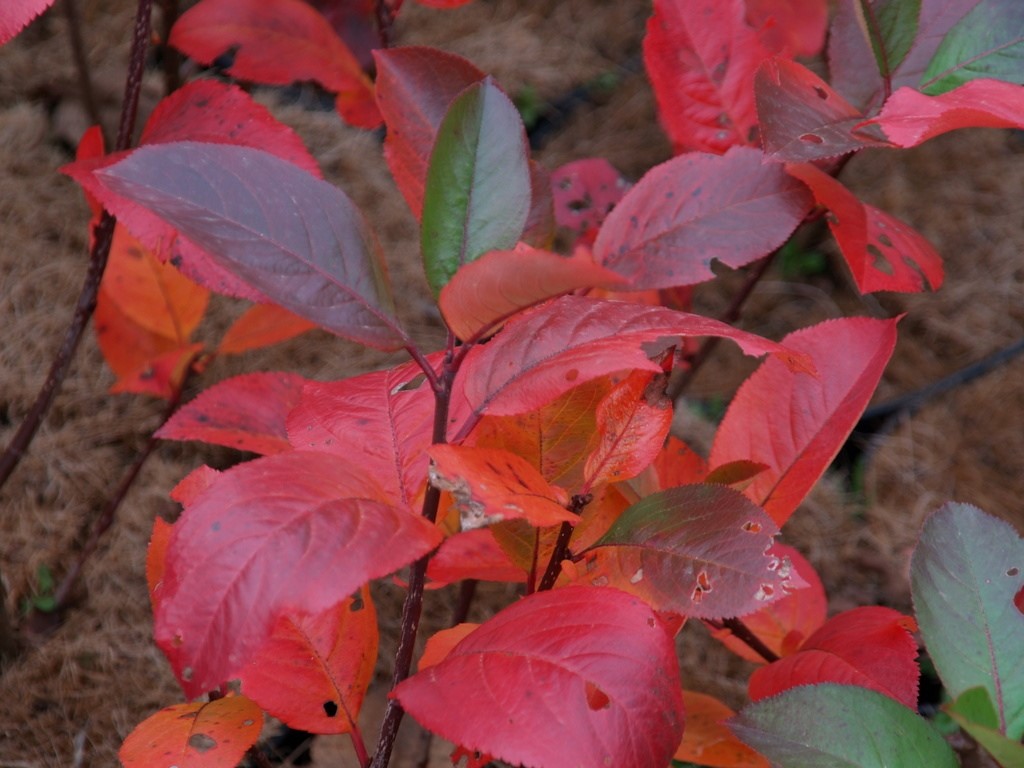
[698,208]
[585,192]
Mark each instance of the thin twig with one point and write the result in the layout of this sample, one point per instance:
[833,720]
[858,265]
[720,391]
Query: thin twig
[742,632]
[103,237]
[562,544]
[170,59]
[84,72]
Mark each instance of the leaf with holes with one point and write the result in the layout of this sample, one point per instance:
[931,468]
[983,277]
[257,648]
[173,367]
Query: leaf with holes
[16,14]
[633,422]
[585,192]
[785,624]
[246,412]
[242,552]
[545,352]
[882,252]
[988,42]
[966,577]
[910,118]
[313,671]
[490,485]
[802,118]
[477,191]
[379,421]
[277,42]
[871,647]
[695,209]
[795,424]
[708,741]
[698,550]
[485,292]
[290,236]
[828,724]
[199,735]
[590,674]
[701,57]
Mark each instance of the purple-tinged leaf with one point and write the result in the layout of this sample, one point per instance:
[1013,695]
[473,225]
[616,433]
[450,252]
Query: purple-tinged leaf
[695,209]
[292,237]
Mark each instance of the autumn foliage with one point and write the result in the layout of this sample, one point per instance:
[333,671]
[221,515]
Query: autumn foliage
[536,445]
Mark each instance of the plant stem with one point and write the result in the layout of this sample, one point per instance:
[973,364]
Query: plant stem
[386,12]
[103,237]
[85,89]
[742,632]
[562,544]
[678,384]
[413,606]
[169,57]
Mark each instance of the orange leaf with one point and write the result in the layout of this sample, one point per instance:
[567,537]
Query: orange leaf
[676,464]
[198,735]
[707,741]
[440,644]
[261,326]
[633,421]
[156,555]
[313,671]
[484,292]
[490,485]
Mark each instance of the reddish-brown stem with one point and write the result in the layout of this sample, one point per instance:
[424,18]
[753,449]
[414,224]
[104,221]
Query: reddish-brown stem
[742,632]
[413,606]
[103,237]
[85,89]
[169,58]
[561,549]
[678,384]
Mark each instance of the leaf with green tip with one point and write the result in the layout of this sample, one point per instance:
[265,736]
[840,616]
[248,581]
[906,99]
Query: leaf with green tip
[973,711]
[477,195]
[891,27]
[965,572]
[294,238]
[841,726]
[699,550]
[988,42]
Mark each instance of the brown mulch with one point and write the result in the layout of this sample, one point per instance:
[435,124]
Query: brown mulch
[80,691]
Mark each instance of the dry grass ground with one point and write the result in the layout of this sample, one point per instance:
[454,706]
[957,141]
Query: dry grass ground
[70,700]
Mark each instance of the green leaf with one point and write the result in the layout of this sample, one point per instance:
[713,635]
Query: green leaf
[891,27]
[841,726]
[477,195]
[987,42]
[973,711]
[964,574]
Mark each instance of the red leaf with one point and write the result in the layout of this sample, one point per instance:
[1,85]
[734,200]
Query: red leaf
[785,624]
[278,42]
[696,550]
[796,424]
[199,735]
[707,741]
[585,191]
[261,326]
[305,246]
[796,27]
[802,118]
[490,485]
[355,22]
[676,464]
[440,644]
[472,555]
[193,484]
[246,412]
[156,558]
[547,351]
[243,551]
[443,4]
[697,208]
[633,421]
[883,253]
[211,112]
[373,421]
[16,14]
[523,685]
[314,670]
[701,57]
[910,118]
[495,286]
[414,88]
[871,647]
